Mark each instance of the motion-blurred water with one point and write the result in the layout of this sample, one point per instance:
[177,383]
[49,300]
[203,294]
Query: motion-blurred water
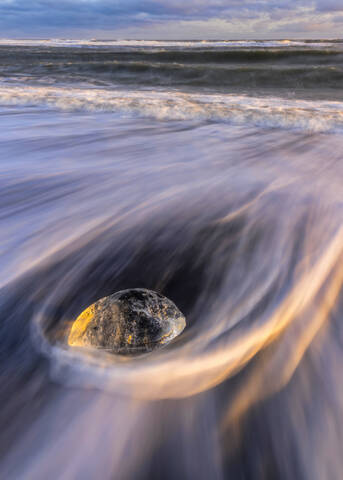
[226,202]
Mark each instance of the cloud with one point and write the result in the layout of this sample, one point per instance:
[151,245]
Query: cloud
[41,17]
[329,5]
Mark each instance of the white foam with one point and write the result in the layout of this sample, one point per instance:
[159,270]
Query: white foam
[57,42]
[312,116]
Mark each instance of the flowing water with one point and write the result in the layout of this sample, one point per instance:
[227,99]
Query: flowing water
[210,172]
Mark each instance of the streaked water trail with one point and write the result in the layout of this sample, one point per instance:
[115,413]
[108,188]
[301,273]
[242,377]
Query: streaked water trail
[228,204]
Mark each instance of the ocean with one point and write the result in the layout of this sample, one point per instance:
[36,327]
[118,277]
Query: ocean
[210,172]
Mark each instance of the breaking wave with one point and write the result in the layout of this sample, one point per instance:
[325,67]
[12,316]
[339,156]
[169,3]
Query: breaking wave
[288,69]
[310,116]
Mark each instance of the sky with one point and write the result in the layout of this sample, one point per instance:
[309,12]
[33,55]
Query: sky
[171,19]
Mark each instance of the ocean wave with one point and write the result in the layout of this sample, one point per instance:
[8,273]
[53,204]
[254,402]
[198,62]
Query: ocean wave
[319,69]
[11,55]
[312,116]
[211,76]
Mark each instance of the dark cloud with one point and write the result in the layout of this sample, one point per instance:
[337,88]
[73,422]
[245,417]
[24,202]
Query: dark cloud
[119,11]
[33,16]
[329,5]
